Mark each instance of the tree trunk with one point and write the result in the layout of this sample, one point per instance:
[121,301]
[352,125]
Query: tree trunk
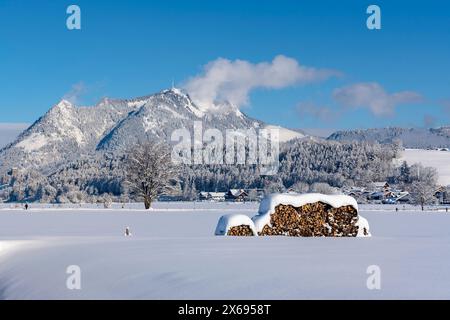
[147,203]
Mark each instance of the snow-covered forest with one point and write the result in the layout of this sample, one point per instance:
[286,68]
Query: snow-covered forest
[65,157]
[304,165]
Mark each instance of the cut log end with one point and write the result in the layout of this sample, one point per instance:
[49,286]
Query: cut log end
[241,231]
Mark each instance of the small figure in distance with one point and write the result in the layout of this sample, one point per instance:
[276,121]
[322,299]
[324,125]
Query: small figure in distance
[26,206]
[127,232]
[396,209]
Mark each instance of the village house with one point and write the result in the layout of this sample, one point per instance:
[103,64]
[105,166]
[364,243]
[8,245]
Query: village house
[443,195]
[237,195]
[212,196]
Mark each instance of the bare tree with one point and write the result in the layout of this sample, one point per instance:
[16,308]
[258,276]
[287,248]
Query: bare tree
[323,188]
[422,193]
[150,171]
[423,188]
[300,187]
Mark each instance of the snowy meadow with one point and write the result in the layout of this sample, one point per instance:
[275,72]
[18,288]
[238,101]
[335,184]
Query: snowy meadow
[172,253]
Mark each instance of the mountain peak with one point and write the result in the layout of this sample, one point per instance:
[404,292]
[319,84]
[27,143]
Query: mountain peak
[63,108]
[176,91]
[64,104]
[104,101]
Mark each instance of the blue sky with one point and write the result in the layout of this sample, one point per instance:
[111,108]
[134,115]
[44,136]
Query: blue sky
[134,48]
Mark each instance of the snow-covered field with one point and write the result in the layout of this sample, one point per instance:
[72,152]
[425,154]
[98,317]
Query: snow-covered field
[173,254]
[430,158]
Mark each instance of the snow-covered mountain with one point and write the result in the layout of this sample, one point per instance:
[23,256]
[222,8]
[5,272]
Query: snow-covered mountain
[159,115]
[419,138]
[67,132]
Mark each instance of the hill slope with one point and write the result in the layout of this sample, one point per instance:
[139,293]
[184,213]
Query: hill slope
[419,138]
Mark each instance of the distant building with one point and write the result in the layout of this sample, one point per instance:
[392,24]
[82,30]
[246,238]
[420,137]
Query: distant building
[377,195]
[237,195]
[397,197]
[404,197]
[382,186]
[217,196]
[212,196]
[203,196]
[443,195]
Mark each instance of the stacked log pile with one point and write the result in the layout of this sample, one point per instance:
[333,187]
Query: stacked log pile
[235,225]
[312,220]
[242,231]
[299,215]
[343,221]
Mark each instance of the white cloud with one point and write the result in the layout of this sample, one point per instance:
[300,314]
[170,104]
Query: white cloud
[75,93]
[232,81]
[374,97]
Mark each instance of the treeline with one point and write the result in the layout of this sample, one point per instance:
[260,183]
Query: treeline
[304,165]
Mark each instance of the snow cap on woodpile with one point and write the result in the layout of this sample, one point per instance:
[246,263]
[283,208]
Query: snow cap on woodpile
[269,203]
[228,221]
[363,227]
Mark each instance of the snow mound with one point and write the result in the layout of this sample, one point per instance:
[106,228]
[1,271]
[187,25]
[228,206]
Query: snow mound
[363,227]
[228,221]
[268,204]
